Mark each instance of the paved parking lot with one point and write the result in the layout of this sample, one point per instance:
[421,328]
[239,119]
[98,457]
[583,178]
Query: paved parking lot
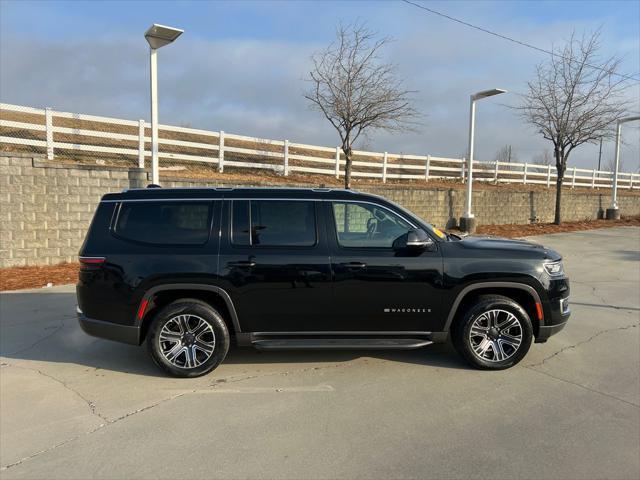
[77,407]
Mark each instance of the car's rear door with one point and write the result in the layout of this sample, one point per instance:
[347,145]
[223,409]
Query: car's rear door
[274,263]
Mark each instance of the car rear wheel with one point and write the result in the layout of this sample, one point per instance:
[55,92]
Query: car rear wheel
[494,333]
[188,338]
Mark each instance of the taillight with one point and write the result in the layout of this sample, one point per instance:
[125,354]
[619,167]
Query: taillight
[91,263]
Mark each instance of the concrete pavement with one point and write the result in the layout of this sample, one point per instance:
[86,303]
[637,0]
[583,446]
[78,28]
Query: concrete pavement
[77,407]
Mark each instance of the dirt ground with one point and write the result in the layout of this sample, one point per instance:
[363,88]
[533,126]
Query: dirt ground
[18,278]
[516,231]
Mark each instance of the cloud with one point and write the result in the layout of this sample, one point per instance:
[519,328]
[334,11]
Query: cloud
[254,87]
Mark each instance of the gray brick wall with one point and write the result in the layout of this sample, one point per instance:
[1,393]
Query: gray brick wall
[45,209]
[495,207]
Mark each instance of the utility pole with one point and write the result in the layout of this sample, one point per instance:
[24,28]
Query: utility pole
[599,157]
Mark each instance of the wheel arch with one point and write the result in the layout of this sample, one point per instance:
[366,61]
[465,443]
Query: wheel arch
[523,294]
[161,295]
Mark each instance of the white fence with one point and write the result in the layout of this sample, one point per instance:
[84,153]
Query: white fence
[70,135]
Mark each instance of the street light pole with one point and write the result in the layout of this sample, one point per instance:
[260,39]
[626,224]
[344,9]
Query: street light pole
[613,213]
[472,124]
[157,36]
[468,221]
[155,174]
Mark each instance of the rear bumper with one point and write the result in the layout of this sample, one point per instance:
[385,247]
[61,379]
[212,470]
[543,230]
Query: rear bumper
[110,331]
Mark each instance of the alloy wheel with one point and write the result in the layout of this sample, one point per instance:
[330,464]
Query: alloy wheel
[187,341]
[495,335]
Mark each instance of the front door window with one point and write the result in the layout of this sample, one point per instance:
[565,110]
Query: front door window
[363,225]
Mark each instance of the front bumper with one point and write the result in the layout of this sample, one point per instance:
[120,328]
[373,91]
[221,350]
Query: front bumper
[547,330]
[110,331]
[560,316]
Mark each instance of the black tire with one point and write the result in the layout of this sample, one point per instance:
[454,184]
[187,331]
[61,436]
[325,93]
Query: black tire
[196,311]
[464,342]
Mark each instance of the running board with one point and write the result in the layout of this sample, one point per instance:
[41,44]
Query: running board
[340,343]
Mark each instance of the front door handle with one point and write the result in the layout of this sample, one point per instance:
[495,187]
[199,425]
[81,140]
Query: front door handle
[354,265]
[242,264]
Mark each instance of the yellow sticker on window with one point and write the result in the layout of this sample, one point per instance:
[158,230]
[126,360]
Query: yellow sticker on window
[438,232]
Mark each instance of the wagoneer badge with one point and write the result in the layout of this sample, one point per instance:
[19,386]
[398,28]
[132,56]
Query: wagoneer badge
[407,310]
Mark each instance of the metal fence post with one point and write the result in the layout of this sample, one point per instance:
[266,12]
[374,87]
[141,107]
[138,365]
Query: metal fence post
[631,181]
[573,181]
[524,178]
[48,118]
[426,168]
[221,152]
[286,158]
[495,173]
[140,143]
[548,176]
[593,179]
[464,164]
[337,162]
[384,167]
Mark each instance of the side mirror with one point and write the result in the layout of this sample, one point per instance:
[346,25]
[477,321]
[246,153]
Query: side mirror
[419,240]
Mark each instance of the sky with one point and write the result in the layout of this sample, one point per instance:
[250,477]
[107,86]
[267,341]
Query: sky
[241,66]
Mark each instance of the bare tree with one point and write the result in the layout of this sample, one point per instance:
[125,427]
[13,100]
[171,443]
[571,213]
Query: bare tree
[575,98]
[611,164]
[543,158]
[506,155]
[356,91]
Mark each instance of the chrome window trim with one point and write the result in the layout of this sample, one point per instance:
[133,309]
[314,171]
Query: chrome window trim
[261,198]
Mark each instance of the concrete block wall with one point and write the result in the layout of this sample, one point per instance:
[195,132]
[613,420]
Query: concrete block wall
[496,207]
[45,208]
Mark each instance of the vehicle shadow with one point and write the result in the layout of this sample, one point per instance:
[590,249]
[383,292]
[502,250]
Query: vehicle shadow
[42,327]
[633,255]
[437,355]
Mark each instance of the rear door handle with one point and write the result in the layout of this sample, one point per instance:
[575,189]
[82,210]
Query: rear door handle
[354,265]
[242,264]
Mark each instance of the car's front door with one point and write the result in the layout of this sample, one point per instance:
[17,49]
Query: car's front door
[378,287]
[274,263]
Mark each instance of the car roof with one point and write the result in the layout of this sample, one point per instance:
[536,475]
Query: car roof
[190,193]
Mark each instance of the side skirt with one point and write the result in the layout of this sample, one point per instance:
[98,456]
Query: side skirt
[339,340]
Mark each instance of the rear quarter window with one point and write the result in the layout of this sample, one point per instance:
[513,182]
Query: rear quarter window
[164,223]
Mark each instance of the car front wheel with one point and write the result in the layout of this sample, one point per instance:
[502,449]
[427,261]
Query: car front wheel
[494,333]
[188,338]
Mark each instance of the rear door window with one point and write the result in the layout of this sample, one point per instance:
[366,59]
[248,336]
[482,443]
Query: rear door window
[165,223]
[274,223]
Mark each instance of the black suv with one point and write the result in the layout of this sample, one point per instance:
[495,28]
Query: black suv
[188,270]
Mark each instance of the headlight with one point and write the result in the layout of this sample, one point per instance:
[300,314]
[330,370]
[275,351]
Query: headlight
[554,269]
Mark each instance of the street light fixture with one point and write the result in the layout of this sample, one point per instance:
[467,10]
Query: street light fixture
[468,221]
[613,213]
[157,36]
